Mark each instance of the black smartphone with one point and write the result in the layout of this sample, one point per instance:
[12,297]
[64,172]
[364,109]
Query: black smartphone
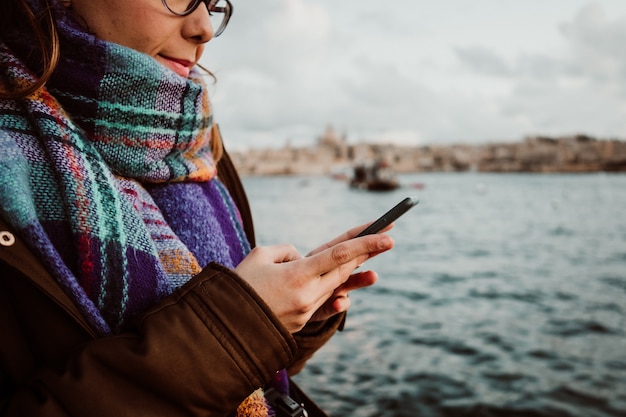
[389,217]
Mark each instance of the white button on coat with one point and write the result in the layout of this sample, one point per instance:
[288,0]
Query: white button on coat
[6,238]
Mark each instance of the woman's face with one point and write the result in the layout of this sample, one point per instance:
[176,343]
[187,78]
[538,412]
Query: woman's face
[147,26]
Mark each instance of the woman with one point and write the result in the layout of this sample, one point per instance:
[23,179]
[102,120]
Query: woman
[129,287]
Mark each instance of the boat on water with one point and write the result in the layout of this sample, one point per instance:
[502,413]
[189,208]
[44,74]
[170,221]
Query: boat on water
[377,176]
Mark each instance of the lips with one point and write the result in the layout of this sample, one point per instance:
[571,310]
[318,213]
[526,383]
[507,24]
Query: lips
[179,66]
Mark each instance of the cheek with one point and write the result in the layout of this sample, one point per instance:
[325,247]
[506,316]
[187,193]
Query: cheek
[143,25]
[141,33]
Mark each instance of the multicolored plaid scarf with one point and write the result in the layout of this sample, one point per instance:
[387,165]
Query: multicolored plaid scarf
[108,174]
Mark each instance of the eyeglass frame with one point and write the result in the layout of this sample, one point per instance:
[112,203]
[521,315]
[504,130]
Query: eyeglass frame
[227,10]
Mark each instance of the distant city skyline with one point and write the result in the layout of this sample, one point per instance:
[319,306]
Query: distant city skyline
[419,72]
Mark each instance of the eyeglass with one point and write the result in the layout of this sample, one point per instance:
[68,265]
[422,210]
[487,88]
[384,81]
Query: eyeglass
[220,11]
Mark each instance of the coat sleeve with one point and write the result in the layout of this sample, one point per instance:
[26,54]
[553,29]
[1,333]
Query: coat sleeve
[314,335]
[199,352]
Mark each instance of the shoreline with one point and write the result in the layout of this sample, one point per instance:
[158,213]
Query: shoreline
[537,154]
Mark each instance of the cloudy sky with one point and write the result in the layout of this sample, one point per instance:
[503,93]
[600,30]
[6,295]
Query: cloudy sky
[419,72]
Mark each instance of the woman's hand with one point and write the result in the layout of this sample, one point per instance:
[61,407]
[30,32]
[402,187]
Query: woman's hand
[339,302]
[296,288]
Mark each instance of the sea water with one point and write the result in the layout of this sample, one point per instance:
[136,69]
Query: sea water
[505,294]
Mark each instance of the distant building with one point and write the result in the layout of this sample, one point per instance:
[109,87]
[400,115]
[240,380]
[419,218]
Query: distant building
[534,154]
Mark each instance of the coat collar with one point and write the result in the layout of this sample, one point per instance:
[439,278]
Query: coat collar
[15,254]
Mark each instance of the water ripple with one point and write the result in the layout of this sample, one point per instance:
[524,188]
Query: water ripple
[504,305]
[569,328]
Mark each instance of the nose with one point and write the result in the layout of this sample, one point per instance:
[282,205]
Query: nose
[198,25]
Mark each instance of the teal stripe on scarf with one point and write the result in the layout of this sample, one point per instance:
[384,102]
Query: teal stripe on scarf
[73,168]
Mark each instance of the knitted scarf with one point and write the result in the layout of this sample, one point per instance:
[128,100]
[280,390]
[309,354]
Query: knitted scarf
[109,177]
[105,174]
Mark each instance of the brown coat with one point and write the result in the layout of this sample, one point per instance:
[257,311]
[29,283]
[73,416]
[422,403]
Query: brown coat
[198,352]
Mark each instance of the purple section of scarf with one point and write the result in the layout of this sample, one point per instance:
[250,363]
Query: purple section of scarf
[205,219]
[139,293]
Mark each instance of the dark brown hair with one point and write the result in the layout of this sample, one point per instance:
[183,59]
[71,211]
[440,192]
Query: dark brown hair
[16,18]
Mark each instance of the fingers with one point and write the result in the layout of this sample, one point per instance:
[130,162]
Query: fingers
[346,236]
[358,280]
[341,304]
[338,301]
[341,238]
[354,282]
[297,288]
[350,253]
[334,306]
[277,253]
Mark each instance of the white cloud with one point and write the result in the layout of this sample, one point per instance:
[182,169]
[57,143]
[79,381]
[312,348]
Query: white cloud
[446,72]
[299,24]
